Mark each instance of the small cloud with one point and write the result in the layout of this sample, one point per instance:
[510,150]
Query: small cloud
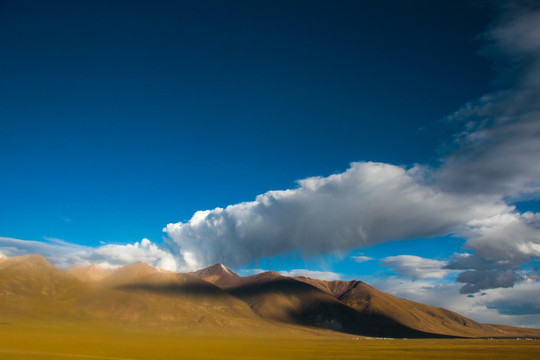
[66,219]
[321,275]
[55,240]
[416,267]
[361,258]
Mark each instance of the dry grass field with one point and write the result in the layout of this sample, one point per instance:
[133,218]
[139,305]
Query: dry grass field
[94,341]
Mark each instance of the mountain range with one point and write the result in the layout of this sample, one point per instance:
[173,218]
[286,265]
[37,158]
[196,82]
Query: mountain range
[218,299]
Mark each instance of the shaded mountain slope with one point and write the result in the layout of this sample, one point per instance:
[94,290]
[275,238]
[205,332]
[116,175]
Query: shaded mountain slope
[328,304]
[284,299]
[430,319]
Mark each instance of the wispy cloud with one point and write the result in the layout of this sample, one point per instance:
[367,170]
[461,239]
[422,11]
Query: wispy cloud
[361,258]
[497,152]
[65,254]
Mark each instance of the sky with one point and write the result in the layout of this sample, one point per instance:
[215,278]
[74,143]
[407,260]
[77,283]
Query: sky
[393,142]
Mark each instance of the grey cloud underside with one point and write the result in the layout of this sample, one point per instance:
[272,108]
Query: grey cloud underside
[500,155]
[524,301]
[498,150]
[476,280]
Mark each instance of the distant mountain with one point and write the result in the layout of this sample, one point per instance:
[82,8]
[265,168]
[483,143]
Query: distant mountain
[216,298]
[89,272]
[33,289]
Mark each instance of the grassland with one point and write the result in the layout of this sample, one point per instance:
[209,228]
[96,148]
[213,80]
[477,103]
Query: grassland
[20,340]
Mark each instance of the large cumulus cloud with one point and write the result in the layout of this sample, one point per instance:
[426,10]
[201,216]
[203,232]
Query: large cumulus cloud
[367,204]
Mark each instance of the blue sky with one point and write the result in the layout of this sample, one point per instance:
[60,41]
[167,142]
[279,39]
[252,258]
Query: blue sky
[403,132]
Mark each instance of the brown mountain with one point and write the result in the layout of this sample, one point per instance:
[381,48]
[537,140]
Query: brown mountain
[217,299]
[33,289]
[276,297]
[368,300]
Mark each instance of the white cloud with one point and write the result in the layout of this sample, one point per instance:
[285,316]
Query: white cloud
[369,203]
[509,236]
[416,267]
[361,258]
[60,253]
[145,251]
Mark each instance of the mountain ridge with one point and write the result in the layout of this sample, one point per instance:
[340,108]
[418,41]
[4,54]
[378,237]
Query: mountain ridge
[217,298]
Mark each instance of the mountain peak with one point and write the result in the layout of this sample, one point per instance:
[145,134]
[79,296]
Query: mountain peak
[216,269]
[219,275]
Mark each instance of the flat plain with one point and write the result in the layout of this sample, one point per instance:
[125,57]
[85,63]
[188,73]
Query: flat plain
[54,340]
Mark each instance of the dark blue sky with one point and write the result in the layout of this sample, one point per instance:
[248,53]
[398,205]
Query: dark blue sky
[122,116]
[401,138]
